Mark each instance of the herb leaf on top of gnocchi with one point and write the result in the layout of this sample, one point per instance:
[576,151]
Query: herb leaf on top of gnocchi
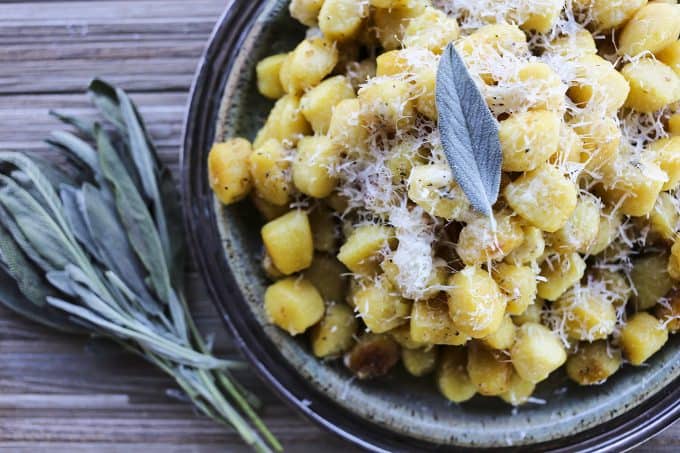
[372,236]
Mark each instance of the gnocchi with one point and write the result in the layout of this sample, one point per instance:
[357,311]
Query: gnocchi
[374,251]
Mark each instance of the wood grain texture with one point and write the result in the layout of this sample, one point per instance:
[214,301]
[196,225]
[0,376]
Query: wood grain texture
[60,393]
[69,394]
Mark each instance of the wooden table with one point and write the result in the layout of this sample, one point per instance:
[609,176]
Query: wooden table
[60,393]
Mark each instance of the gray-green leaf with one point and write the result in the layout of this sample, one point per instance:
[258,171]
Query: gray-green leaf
[76,218]
[140,228]
[104,97]
[83,125]
[28,279]
[36,224]
[79,149]
[12,298]
[42,184]
[154,180]
[7,221]
[162,346]
[469,133]
[112,243]
[143,159]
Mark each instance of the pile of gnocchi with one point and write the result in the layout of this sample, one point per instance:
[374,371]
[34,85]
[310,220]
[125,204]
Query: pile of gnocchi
[373,250]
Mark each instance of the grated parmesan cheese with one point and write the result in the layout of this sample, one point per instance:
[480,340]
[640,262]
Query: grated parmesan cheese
[570,67]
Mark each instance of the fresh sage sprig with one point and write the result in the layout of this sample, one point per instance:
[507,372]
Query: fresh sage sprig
[469,133]
[98,248]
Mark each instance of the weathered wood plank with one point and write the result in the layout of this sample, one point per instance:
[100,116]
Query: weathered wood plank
[58,46]
[64,393]
[25,121]
[122,11]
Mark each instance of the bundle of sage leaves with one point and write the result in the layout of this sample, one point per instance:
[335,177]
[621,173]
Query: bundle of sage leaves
[96,246]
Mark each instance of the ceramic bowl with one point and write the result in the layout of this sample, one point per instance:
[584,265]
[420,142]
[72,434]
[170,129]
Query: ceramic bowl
[397,412]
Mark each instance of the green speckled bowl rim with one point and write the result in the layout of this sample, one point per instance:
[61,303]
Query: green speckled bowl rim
[396,413]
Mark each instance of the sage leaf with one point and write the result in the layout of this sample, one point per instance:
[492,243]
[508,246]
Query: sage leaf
[146,169]
[91,255]
[7,221]
[164,347]
[139,150]
[21,178]
[134,215]
[156,181]
[82,287]
[27,278]
[36,224]
[84,126]
[99,303]
[63,174]
[78,148]
[116,281]
[61,281]
[104,97]
[111,241]
[75,217]
[469,133]
[140,229]
[42,184]
[14,299]
[175,226]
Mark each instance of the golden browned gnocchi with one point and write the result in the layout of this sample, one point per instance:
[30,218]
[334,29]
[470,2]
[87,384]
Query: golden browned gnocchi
[666,152]
[519,283]
[334,334]
[593,363]
[476,304]
[653,27]
[341,19]
[480,242]
[372,246]
[419,362]
[268,76]
[574,45]
[537,352]
[587,314]
[598,83]
[270,172]
[642,336]
[285,123]
[228,170]
[519,390]
[529,139]
[543,197]
[288,240]
[610,13]
[452,377]
[380,307]
[317,104]
[293,304]
[653,85]
[306,11]
[489,370]
[308,64]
